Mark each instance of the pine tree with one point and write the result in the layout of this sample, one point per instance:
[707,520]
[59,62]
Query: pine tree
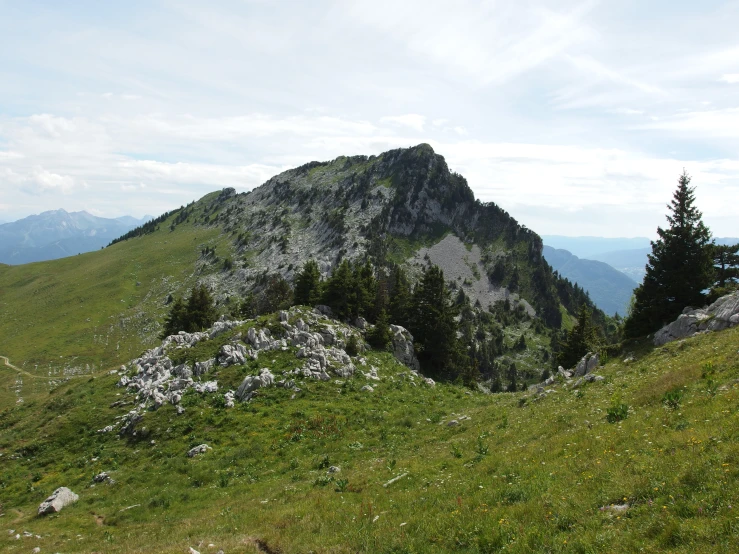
[201,312]
[434,326]
[176,320]
[400,299]
[679,267]
[339,291]
[583,338]
[308,284]
[726,264]
[278,295]
[512,378]
[365,290]
[380,336]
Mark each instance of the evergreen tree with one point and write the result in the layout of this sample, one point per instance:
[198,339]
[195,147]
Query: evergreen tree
[339,291]
[308,284]
[434,326]
[726,265]
[679,267]
[278,295]
[365,290]
[201,312]
[400,299]
[380,336]
[583,338]
[176,320]
[512,378]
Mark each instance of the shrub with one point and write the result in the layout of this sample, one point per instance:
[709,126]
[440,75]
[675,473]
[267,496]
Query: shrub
[672,398]
[352,345]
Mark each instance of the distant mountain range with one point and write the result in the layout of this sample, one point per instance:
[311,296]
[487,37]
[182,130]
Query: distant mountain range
[628,255]
[58,233]
[610,289]
[599,265]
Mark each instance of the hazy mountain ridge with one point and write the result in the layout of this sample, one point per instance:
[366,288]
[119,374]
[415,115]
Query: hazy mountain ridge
[627,255]
[58,233]
[609,288]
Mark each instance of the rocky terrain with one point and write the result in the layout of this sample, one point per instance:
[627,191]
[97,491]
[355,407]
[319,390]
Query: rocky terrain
[317,342]
[720,315]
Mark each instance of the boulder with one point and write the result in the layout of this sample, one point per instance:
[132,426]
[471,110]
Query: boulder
[720,315]
[325,310]
[587,364]
[403,347]
[200,449]
[253,382]
[60,498]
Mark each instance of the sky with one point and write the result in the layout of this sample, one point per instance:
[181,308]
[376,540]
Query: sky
[577,117]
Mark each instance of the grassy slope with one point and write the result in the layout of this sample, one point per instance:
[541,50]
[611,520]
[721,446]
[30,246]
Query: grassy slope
[519,476]
[86,313]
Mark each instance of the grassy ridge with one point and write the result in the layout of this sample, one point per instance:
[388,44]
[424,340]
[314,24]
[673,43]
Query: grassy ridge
[95,310]
[518,476]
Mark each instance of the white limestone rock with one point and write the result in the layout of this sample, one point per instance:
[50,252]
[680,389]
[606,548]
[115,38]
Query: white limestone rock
[60,498]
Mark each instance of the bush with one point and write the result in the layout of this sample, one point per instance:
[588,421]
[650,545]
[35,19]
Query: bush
[352,345]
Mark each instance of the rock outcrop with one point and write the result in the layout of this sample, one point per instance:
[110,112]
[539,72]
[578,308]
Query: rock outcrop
[315,338]
[587,364]
[720,315]
[403,347]
[60,498]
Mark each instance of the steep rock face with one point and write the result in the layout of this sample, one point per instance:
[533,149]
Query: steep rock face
[387,207]
[720,315]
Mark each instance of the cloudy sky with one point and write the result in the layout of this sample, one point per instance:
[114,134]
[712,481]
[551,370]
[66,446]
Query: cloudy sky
[575,116]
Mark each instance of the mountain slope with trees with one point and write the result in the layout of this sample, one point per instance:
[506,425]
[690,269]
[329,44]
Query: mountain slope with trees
[247,250]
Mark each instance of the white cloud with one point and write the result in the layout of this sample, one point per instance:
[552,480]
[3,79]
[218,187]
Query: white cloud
[414,121]
[566,112]
[712,124]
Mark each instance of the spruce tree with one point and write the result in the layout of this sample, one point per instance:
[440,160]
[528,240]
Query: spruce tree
[201,312]
[176,320]
[434,326]
[725,259]
[583,338]
[365,290]
[339,291]
[380,336]
[679,268]
[308,284]
[400,299]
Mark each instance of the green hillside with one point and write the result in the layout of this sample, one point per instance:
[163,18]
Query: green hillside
[91,312]
[517,474]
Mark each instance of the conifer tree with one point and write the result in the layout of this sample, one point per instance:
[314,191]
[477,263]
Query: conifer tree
[308,284]
[583,338]
[512,378]
[201,312]
[434,326]
[400,299]
[176,320]
[726,265]
[379,337]
[339,291]
[679,267]
[365,290]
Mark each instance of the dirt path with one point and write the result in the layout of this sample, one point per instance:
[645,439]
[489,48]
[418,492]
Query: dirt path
[6,360]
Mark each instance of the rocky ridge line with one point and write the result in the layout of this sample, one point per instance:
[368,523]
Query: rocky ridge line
[320,341]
